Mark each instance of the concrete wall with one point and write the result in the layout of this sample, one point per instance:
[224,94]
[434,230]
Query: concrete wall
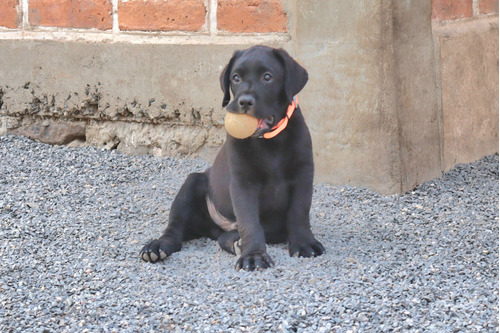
[378,122]
[466,46]
[137,98]
[381,102]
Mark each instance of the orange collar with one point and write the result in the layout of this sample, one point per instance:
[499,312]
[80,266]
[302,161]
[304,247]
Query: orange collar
[281,125]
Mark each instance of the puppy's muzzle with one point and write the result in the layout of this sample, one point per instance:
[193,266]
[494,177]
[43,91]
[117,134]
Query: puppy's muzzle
[246,103]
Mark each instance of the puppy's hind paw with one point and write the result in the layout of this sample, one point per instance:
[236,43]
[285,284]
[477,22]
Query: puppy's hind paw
[157,250]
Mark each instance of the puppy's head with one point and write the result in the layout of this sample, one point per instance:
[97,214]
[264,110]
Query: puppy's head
[263,82]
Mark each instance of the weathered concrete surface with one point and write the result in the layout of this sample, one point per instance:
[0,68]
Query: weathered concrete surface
[372,91]
[468,55]
[158,99]
[150,83]
[343,107]
[417,100]
[156,139]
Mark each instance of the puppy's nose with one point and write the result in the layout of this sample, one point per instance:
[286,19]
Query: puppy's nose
[246,101]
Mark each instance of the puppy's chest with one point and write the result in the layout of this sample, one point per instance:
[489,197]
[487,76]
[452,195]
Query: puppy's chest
[274,195]
[275,173]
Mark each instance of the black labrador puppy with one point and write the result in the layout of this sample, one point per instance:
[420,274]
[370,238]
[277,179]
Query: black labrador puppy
[259,189]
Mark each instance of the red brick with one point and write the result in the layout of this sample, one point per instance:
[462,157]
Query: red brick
[447,10]
[162,15]
[251,16]
[8,13]
[83,14]
[488,6]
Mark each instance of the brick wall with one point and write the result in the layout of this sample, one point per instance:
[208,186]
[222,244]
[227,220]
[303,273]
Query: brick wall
[452,10]
[9,16]
[192,16]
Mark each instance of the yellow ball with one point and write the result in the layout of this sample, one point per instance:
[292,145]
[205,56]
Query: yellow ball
[240,126]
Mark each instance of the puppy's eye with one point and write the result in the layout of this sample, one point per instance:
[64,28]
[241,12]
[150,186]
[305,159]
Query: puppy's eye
[267,77]
[236,78]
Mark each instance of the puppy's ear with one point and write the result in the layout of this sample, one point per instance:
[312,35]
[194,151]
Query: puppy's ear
[225,79]
[295,75]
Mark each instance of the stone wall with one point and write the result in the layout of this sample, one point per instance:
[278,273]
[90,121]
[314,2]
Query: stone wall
[388,102]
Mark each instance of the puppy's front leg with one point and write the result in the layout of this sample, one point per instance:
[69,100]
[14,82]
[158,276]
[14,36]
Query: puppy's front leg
[253,242]
[301,241]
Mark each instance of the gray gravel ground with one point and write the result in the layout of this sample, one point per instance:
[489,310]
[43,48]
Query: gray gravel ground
[72,222]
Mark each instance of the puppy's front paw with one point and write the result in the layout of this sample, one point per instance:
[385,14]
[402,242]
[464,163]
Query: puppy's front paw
[159,249]
[305,248]
[254,261]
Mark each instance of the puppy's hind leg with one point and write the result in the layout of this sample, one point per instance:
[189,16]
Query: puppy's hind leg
[187,220]
[229,241]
